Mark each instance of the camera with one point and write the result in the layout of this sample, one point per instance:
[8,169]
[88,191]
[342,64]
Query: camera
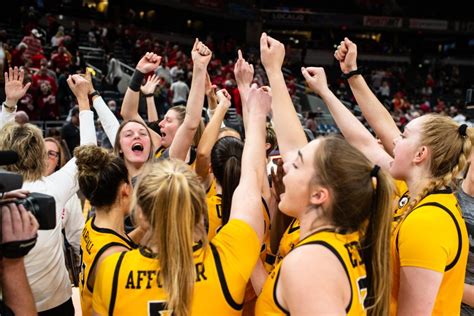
[42,206]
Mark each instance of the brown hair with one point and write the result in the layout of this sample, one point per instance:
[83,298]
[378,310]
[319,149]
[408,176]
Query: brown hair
[270,139]
[361,200]
[100,174]
[27,141]
[449,153]
[118,148]
[173,201]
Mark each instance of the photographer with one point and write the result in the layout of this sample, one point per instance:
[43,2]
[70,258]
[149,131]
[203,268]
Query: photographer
[45,265]
[19,232]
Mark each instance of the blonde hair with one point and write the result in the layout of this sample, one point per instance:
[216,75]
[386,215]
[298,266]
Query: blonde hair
[27,140]
[173,201]
[449,154]
[361,201]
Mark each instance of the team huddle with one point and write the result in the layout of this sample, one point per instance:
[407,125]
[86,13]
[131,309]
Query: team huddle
[188,221]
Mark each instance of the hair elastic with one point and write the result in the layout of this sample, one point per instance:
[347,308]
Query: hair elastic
[373,175]
[462,129]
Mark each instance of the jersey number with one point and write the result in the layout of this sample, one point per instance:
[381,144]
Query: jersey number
[362,289]
[158,308]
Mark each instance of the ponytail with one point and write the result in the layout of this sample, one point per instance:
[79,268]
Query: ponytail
[173,202]
[229,184]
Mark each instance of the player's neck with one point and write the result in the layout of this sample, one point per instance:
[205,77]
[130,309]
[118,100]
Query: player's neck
[112,220]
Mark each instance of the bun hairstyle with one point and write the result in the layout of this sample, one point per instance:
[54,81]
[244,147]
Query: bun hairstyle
[100,174]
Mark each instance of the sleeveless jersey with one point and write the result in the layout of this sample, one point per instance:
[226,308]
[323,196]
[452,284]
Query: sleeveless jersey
[214,210]
[289,240]
[128,283]
[159,152]
[433,237]
[346,248]
[94,242]
[212,190]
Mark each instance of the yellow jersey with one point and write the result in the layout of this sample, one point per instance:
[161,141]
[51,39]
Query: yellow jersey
[214,211]
[128,283]
[159,152]
[346,248]
[433,237]
[94,242]
[212,189]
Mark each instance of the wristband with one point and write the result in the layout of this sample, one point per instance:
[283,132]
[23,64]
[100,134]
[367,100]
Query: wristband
[351,73]
[149,95]
[18,249]
[94,93]
[9,108]
[136,80]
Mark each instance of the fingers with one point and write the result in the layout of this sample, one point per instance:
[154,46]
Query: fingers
[15,73]
[26,87]
[20,194]
[5,75]
[7,229]
[10,74]
[239,53]
[22,75]
[263,41]
[196,42]
[25,219]
[17,224]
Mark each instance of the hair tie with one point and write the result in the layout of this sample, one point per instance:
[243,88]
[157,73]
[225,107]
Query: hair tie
[373,175]
[462,129]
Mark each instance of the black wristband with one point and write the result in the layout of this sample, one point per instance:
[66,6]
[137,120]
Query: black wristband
[18,249]
[94,93]
[149,95]
[346,76]
[136,80]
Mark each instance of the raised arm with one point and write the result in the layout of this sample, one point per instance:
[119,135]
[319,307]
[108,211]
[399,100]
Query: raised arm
[129,111]
[183,139]
[352,129]
[209,137]
[107,119]
[373,110]
[246,201]
[243,72]
[148,90]
[14,91]
[290,133]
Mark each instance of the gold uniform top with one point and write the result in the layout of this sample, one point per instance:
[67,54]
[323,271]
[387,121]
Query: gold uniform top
[128,283]
[289,240]
[159,152]
[94,242]
[214,210]
[346,248]
[433,237]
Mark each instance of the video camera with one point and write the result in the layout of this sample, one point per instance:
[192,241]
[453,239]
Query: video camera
[42,206]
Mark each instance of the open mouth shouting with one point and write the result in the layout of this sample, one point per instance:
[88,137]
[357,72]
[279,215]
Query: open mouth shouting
[137,148]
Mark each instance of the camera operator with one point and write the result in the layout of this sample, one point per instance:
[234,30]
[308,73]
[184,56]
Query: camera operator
[19,233]
[45,264]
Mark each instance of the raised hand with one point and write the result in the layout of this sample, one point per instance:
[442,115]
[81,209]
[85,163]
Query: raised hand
[223,98]
[79,85]
[150,85]
[316,79]
[149,62]
[277,179]
[243,72]
[201,55]
[259,100]
[272,53]
[14,88]
[346,54]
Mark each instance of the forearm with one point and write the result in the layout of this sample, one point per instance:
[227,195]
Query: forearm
[468,295]
[244,92]
[208,139]
[253,157]
[15,288]
[151,109]
[185,133]
[374,111]
[87,127]
[352,129]
[290,133]
[107,118]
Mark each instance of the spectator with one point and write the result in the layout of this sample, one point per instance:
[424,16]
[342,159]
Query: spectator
[33,43]
[18,55]
[61,60]
[46,102]
[180,91]
[70,131]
